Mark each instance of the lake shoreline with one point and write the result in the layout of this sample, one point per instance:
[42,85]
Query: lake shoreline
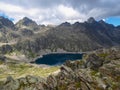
[57,58]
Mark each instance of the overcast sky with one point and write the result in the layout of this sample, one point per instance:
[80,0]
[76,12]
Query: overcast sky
[58,11]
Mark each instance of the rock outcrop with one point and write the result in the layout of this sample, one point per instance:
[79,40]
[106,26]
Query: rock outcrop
[4,22]
[76,75]
[28,37]
[94,62]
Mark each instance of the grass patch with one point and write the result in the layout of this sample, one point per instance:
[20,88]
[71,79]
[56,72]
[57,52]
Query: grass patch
[103,55]
[18,70]
[78,85]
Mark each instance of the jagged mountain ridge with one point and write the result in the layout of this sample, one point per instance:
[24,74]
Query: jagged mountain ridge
[77,37]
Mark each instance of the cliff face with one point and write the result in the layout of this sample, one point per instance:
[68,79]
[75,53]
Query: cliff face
[98,70]
[29,38]
[77,37]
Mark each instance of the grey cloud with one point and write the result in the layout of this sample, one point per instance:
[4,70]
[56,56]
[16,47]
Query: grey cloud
[99,9]
[35,3]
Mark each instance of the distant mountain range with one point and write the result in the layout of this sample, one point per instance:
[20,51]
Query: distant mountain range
[31,39]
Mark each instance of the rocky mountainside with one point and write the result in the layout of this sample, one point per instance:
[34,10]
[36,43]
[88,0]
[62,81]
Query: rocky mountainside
[99,70]
[85,36]
[27,23]
[6,27]
[31,39]
[4,22]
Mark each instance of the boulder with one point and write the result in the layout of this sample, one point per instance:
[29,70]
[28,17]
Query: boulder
[11,84]
[31,79]
[93,62]
[52,82]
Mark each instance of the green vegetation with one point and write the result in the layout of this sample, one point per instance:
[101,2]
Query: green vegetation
[31,54]
[103,55]
[78,85]
[17,70]
[15,52]
[1,62]
[93,73]
[63,87]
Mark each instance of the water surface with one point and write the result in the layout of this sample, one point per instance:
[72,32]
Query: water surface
[58,58]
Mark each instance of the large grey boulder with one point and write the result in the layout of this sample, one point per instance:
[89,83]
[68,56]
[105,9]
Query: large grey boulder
[11,84]
[93,62]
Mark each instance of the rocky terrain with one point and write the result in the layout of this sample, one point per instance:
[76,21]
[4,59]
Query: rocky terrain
[28,39]
[22,42]
[98,70]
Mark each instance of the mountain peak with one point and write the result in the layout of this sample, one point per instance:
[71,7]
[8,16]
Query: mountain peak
[102,22]
[106,25]
[65,24]
[25,23]
[26,19]
[76,24]
[91,20]
[6,22]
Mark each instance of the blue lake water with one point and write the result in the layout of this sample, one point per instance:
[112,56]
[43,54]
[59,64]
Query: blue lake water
[57,58]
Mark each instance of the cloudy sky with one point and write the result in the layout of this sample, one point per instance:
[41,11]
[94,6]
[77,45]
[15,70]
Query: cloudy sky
[58,11]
